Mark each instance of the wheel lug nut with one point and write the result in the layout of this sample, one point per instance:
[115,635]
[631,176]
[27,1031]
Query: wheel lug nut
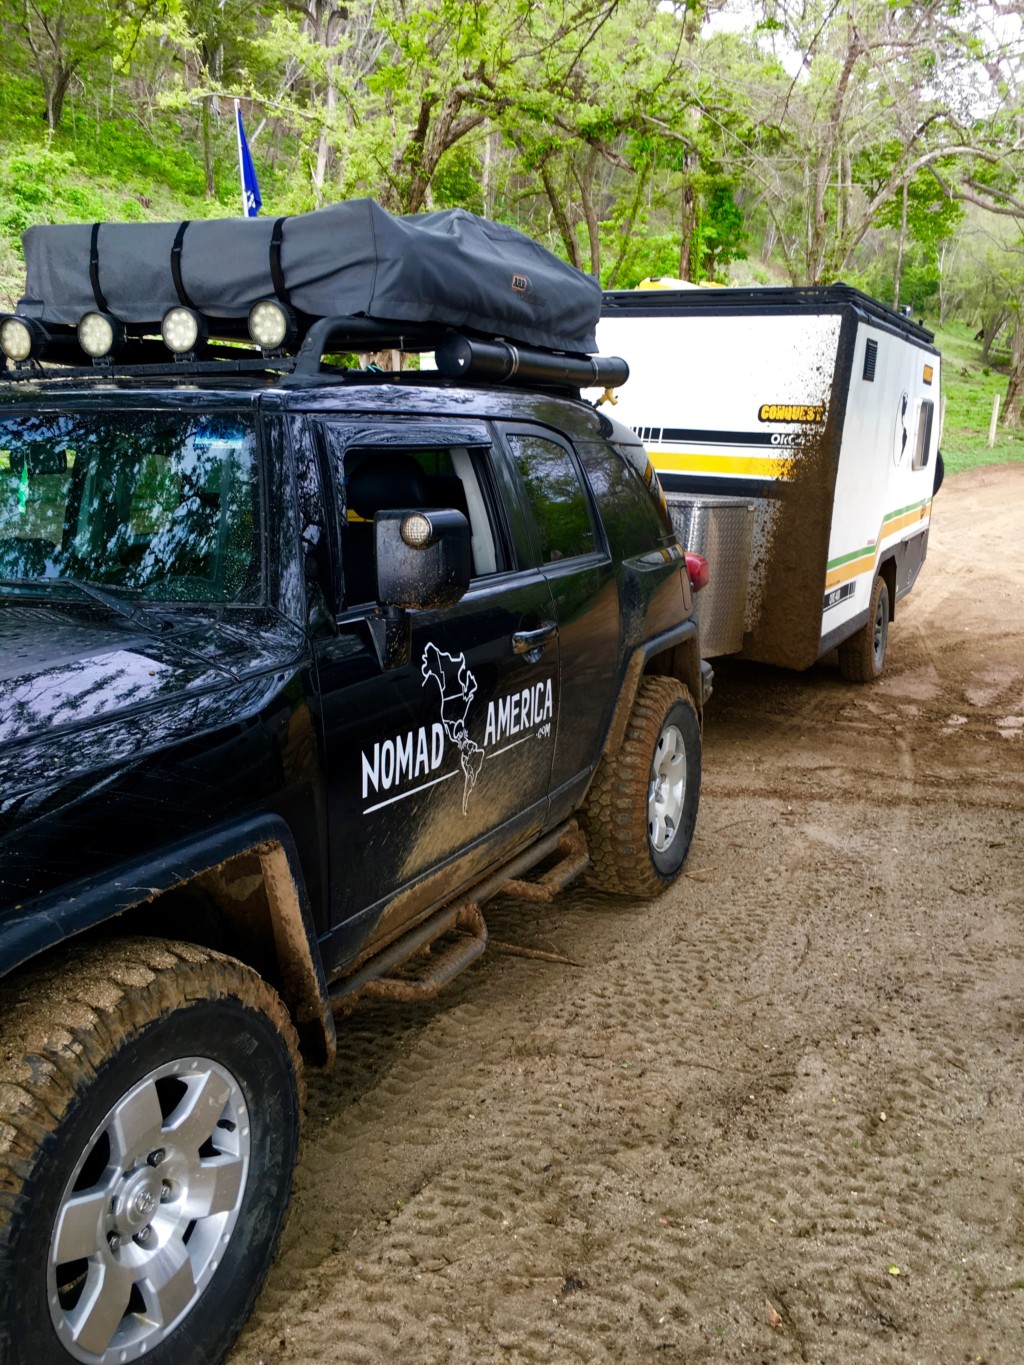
[113,1241]
[156,1157]
[165,1192]
[143,1236]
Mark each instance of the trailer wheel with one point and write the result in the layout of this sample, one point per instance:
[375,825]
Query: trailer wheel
[862,656]
[150,1111]
[642,807]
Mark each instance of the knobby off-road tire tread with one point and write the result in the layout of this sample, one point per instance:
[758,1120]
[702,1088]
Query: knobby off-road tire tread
[58,1026]
[615,819]
[857,654]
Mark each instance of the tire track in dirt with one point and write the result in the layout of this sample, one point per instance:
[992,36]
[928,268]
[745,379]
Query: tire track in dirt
[623,1162]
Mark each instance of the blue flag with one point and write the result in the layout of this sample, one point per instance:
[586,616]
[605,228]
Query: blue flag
[251,198]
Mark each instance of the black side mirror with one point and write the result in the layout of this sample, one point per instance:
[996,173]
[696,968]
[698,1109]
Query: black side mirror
[424,559]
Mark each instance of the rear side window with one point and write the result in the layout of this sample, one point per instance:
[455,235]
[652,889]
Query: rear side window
[561,513]
[634,519]
[924,434]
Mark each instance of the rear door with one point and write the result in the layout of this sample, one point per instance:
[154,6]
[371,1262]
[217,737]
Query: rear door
[438,768]
[569,548]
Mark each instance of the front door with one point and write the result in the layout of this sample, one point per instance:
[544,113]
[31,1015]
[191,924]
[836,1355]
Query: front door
[440,767]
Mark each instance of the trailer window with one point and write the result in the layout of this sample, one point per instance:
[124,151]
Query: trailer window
[924,434]
[870,359]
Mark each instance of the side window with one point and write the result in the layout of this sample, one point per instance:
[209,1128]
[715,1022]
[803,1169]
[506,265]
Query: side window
[632,516]
[924,434]
[556,498]
[378,477]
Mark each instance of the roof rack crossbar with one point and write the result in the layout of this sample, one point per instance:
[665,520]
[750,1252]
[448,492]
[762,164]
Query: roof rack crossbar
[363,334]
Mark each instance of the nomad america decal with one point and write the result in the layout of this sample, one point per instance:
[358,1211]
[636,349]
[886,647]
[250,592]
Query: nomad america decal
[411,762]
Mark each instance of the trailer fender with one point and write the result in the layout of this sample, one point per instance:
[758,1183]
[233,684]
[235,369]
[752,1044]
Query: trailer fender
[887,570]
[940,472]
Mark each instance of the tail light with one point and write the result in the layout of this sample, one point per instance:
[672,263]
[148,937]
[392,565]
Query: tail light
[698,569]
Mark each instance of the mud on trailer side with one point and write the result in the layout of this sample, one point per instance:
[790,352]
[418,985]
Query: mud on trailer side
[795,433]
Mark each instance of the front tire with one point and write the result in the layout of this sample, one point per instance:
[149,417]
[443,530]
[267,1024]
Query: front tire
[862,656]
[642,806]
[149,1126]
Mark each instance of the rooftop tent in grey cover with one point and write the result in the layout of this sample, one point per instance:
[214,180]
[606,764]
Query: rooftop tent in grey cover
[352,259]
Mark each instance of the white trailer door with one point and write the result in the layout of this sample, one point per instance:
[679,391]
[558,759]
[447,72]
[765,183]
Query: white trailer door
[886,475]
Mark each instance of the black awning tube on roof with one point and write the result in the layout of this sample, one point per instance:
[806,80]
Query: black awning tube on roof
[460,357]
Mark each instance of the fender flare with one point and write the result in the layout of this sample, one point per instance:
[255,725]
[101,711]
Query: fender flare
[47,921]
[681,642]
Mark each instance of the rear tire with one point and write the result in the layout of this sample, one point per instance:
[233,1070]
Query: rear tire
[149,1125]
[862,656]
[642,806]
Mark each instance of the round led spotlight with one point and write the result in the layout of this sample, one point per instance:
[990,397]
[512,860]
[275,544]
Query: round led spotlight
[99,334]
[271,324]
[417,530]
[182,330]
[20,339]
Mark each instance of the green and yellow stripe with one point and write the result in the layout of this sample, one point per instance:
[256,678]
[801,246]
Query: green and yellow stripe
[852,565]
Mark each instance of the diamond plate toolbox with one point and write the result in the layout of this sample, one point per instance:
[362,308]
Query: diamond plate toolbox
[721,529]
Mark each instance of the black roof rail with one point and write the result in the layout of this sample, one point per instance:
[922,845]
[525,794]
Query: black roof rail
[806,298]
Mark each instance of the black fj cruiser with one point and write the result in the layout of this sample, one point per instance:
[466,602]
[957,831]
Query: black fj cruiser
[299,666]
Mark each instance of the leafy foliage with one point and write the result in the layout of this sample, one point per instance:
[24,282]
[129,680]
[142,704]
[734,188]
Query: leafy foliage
[635,138]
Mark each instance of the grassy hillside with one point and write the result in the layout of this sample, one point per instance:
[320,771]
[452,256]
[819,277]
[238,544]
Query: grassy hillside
[52,185]
[110,166]
[968,385]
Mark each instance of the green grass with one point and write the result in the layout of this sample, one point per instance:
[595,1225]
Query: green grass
[968,386]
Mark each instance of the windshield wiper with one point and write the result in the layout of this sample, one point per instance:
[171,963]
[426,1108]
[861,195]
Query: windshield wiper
[139,615]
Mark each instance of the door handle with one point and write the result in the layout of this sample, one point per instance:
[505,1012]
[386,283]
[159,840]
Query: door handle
[533,641]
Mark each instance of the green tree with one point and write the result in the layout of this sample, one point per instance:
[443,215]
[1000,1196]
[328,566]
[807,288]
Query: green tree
[60,40]
[870,75]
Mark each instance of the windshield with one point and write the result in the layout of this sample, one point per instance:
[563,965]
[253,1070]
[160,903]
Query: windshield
[156,505]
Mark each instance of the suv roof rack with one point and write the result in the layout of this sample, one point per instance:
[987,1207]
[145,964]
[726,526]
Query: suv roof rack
[494,305]
[458,355]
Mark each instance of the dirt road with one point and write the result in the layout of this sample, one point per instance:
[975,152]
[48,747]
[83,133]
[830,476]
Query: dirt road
[779,1114]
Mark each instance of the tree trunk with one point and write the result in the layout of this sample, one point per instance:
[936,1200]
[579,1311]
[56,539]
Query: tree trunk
[687,217]
[211,187]
[1012,414]
[585,182]
[625,232]
[572,246]
[56,93]
[993,325]
[485,185]
[323,145]
[899,251]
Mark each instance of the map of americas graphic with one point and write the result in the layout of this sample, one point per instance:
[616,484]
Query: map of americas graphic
[458,688]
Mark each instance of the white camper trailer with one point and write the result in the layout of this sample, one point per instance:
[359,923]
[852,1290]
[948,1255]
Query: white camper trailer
[795,433]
